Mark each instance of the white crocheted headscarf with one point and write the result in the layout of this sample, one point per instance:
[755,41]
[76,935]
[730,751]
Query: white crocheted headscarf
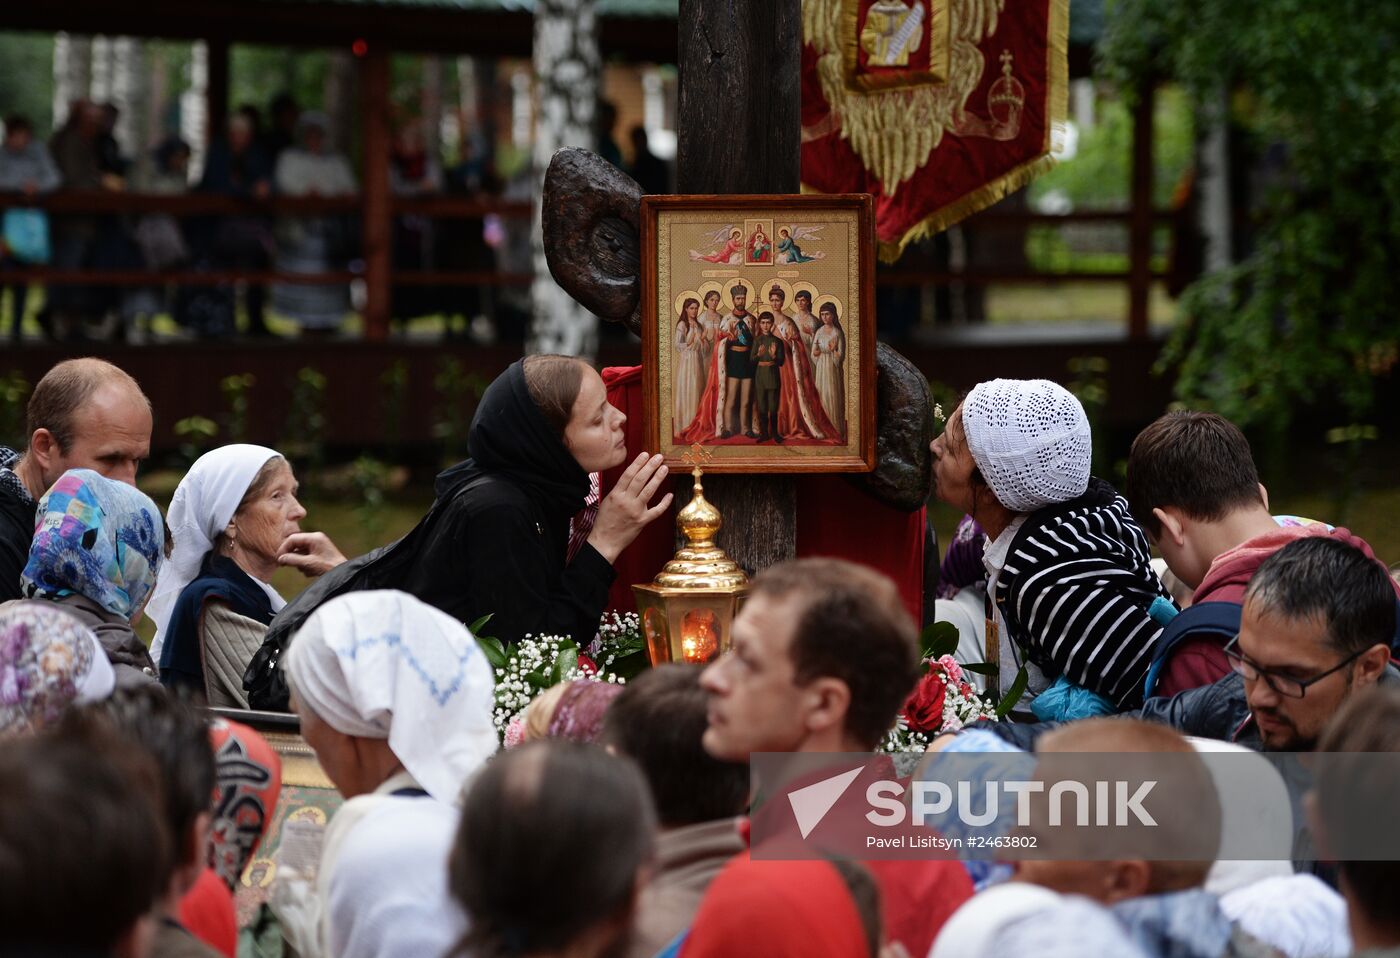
[1030,439]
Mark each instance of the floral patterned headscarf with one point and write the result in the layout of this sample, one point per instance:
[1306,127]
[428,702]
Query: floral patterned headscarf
[579,714]
[49,661]
[98,538]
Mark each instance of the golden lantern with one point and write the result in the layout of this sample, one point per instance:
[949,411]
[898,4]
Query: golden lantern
[688,609]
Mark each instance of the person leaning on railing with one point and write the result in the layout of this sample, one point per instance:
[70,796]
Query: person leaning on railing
[25,168]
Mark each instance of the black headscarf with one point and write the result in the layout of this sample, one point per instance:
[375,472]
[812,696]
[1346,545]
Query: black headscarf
[511,438]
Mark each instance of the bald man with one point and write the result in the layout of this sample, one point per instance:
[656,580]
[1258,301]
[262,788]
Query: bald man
[84,414]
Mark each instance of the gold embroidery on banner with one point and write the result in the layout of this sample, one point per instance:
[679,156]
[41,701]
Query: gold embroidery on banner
[895,131]
[889,33]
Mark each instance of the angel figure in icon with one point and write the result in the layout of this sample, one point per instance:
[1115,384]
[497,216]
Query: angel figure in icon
[790,252]
[727,247]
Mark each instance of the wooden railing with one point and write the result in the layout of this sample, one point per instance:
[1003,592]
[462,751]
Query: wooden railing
[460,207]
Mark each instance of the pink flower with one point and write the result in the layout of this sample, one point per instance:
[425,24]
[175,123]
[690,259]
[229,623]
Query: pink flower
[515,731]
[951,668]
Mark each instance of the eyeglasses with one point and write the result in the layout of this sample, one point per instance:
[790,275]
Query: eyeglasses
[1284,685]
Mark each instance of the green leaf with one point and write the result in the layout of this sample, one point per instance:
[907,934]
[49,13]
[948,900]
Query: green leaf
[494,651]
[1013,694]
[939,638]
[629,666]
[567,662]
[476,627]
[981,668]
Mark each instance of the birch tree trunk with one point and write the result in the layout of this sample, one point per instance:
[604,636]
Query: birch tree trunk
[1217,208]
[128,89]
[567,70]
[72,73]
[194,106]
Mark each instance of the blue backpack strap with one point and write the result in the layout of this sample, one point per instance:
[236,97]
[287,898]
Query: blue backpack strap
[1207,618]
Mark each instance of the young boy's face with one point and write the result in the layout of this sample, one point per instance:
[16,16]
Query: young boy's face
[765,326]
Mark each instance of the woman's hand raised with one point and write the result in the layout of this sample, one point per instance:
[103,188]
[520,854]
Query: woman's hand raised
[310,553]
[623,513]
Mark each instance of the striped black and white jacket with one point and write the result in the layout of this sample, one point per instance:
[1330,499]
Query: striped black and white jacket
[1075,591]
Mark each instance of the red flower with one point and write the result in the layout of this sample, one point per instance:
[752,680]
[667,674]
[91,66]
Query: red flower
[587,665]
[923,712]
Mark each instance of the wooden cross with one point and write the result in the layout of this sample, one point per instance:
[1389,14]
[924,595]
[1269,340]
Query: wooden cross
[739,129]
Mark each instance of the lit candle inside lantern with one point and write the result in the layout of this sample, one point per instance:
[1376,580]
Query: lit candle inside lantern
[699,636]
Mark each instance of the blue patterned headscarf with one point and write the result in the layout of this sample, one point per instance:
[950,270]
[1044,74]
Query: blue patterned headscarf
[97,538]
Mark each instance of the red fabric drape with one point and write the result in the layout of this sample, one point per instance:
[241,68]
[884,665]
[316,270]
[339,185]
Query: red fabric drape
[834,518]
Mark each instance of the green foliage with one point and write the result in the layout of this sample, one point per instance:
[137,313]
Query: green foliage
[395,383]
[305,442]
[26,78]
[197,435]
[1014,693]
[1352,439]
[236,390]
[1089,383]
[1310,316]
[257,74]
[1099,175]
[458,393]
[371,479]
[938,638]
[14,392]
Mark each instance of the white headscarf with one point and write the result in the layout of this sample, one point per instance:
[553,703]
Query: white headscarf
[204,502]
[970,931]
[382,664]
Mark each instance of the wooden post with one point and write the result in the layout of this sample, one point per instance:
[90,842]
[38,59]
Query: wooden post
[1140,226]
[739,127]
[216,93]
[377,229]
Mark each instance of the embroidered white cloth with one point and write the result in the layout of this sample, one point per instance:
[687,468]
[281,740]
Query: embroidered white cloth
[204,502]
[383,664]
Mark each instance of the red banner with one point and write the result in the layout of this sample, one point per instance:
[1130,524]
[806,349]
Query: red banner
[938,107]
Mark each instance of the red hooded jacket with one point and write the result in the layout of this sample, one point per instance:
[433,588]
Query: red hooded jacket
[1201,661]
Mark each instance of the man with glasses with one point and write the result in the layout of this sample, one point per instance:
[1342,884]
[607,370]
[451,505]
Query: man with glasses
[1317,624]
[1316,627]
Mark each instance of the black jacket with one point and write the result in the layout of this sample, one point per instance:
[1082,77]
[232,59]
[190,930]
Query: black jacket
[494,543]
[1217,711]
[1075,593]
[16,530]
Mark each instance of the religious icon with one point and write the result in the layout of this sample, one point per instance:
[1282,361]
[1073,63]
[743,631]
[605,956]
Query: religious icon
[769,366]
[758,248]
[892,32]
[894,44]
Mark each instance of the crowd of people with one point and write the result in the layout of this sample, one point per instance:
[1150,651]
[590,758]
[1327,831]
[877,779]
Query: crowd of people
[285,152]
[625,820]
[290,156]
